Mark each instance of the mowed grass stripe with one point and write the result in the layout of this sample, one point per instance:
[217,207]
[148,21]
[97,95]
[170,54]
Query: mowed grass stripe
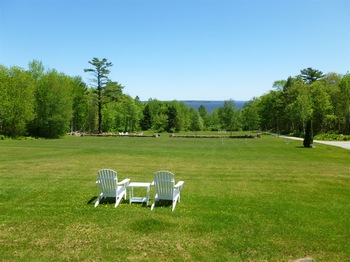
[243,199]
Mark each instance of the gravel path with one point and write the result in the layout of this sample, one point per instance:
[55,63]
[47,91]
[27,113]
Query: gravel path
[342,144]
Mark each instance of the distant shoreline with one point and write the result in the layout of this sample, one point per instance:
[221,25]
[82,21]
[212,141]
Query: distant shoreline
[210,105]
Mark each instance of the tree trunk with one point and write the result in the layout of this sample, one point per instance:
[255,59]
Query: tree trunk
[99,104]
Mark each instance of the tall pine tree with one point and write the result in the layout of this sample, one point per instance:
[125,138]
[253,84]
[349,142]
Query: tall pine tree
[100,71]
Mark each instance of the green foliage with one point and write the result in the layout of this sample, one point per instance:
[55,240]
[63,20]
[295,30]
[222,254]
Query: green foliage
[300,108]
[196,123]
[37,103]
[250,115]
[310,75]
[53,109]
[203,112]
[270,107]
[41,103]
[36,69]
[92,111]
[17,101]
[323,98]
[332,136]
[146,121]
[112,92]
[172,119]
[344,101]
[132,114]
[229,116]
[279,84]
[159,115]
[182,120]
[321,105]
[100,72]
[215,120]
[79,121]
[122,115]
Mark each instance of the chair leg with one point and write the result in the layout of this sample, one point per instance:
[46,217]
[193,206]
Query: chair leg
[174,204]
[117,200]
[97,202]
[177,198]
[154,202]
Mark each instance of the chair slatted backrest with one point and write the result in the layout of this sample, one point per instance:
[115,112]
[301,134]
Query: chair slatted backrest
[164,184]
[108,179]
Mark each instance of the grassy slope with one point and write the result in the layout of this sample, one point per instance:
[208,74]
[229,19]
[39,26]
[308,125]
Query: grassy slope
[243,199]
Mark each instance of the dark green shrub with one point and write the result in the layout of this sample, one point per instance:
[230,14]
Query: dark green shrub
[308,139]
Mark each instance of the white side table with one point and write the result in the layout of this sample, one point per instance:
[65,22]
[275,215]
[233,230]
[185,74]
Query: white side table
[132,198]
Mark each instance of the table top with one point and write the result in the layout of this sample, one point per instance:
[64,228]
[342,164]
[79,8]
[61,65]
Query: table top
[139,184]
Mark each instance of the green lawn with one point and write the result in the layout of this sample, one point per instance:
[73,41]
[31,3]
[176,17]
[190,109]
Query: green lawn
[243,200]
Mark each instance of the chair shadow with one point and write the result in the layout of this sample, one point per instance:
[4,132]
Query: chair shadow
[163,203]
[143,204]
[111,200]
[92,200]
[107,200]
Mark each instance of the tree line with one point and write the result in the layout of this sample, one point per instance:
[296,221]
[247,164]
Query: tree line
[42,102]
[312,98]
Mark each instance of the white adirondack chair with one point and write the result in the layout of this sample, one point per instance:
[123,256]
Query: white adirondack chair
[165,188]
[108,186]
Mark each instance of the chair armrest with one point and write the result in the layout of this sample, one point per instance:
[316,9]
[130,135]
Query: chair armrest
[179,185]
[125,182]
[152,184]
[99,187]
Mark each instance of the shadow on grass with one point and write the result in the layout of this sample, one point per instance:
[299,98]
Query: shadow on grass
[107,200]
[163,203]
[92,200]
[143,204]
[111,200]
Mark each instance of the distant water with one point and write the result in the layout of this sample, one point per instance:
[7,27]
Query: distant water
[210,105]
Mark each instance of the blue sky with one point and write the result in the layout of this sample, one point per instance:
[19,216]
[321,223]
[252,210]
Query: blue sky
[180,49]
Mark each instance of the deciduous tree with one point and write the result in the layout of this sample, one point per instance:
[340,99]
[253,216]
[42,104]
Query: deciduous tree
[196,123]
[16,101]
[345,102]
[79,121]
[250,115]
[229,115]
[203,112]
[53,109]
